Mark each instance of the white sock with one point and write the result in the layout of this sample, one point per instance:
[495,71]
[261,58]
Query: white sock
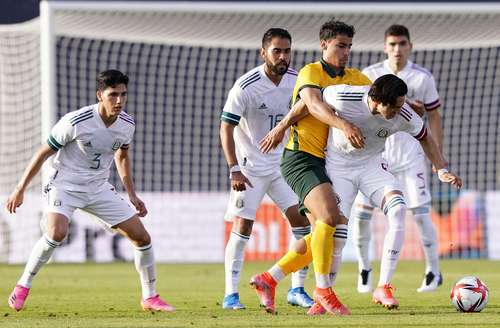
[339,239]
[429,237]
[40,254]
[361,231]
[276,273]
[395,211]
[233,261]
[145,264]
[299,277]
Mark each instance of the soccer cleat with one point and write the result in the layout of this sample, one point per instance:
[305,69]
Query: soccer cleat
[265,287]
[383,295]
[232,302]
[431,282]
[329,301]
[365,281]
[155,303]
[298,297]
[18,297]
[316,309]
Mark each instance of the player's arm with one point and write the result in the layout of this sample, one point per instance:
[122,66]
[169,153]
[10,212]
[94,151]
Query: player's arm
[435,126]
[123,166]
[322,111]
[435,156]
[274,137]
[16,197]
[238,179]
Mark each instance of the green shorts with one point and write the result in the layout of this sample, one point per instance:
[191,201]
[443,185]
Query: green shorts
[302,172]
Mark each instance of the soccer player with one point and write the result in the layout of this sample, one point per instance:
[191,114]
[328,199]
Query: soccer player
[405,159]
[303,167]
[380,111]
[258,100]
[85,142]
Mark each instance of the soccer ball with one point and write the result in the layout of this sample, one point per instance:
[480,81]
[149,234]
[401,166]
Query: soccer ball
[469,294]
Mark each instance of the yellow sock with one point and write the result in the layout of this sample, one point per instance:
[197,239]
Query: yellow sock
[293,261]
[322,247]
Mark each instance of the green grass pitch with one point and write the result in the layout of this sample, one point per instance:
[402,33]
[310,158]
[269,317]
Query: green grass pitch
[107,295]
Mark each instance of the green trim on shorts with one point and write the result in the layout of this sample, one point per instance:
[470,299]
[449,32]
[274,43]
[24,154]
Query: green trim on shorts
[302,172]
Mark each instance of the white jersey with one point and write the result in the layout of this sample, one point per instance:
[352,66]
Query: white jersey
[256,105]
[351,103]
[85,148]
[402,149]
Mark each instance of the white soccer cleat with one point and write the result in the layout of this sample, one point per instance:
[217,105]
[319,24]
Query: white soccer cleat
[365,282]
[431,282]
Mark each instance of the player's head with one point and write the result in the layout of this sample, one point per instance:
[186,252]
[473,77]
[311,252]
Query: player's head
[112,91]
[397,44]
[335,39]
[277,50]
[388,93]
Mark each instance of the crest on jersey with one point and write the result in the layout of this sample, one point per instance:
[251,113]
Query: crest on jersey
[383,133]
[116,145]
[239,203]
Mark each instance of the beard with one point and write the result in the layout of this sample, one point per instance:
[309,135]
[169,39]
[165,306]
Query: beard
[279,68]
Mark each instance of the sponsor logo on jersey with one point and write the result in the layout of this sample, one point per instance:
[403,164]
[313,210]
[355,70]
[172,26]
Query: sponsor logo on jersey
[383,133]
[263,106]
[57,202]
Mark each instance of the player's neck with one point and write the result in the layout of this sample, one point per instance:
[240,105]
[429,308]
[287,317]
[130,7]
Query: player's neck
[397,67]
[106,118]
[275,78]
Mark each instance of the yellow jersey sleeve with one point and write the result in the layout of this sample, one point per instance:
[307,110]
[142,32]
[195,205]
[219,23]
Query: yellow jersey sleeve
[308,77]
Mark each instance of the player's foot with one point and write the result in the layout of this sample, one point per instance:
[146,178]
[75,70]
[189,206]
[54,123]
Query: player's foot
[431,282]
[18,297]
[298,297]
[365,281]
[316,309]
[265,287]
[329,301]
[383,295]
[155,303]
[232,302]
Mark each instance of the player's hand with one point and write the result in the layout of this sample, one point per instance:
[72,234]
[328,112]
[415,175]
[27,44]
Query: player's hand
[139,206]
[451,178]
[14,201]
[239,181]
[272,139]
[417,106]
[354,135]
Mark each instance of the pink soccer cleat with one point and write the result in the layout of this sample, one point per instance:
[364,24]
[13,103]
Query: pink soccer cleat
[155,303]
[316,309]
[265,287]
[18,297]
[329,301]
[383,295]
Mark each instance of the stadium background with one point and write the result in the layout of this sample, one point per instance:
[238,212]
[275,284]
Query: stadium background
[177,91]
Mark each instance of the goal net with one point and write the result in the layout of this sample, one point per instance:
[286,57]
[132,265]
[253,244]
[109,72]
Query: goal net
[183,58]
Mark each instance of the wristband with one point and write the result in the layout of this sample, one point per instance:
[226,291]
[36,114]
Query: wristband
[234,168]
[440,173]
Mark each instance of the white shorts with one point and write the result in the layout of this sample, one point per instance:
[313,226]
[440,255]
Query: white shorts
[371,179]
[245,203]
[414,184]
[105,204]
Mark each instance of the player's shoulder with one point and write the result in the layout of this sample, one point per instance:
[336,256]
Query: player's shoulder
[315,67]
[406,113]
[81,115]
[126,119]
[373,68]
[249,78]
[355,77]
[291,72]
[420,70]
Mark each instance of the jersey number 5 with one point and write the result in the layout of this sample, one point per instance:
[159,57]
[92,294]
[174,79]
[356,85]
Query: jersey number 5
[275,119]
[97,161]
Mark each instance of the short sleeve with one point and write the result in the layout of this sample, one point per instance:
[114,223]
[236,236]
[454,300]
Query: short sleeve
[431,95]
[413,124]
[128,141]
[61,134]
[308,77]
[329,95]
[236,104]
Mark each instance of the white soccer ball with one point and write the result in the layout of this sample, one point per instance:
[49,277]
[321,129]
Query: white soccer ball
[469,294]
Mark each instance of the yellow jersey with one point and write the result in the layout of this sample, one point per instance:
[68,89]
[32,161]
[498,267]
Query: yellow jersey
[310,134]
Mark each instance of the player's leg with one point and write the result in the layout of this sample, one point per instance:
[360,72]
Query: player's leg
[384,189]
[59,209]
[361,215]
[417,194]
[287,201]
[242,209]
[116,213]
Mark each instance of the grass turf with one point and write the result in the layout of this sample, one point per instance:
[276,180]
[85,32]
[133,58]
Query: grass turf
[107,295]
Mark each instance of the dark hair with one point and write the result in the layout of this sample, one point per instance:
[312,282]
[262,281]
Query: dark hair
[110,78]
[332,28]
[387,88]
[397,30]
[273,33]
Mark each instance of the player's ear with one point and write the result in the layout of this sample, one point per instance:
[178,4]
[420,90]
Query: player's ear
[322,44]
[263,53]
[99,95]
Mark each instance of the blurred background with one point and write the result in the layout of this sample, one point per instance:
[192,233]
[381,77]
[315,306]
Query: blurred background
[182,58]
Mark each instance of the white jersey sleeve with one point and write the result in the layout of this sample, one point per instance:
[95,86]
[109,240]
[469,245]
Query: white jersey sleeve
[431,96]
[412,123]
[236,104]
[63,132]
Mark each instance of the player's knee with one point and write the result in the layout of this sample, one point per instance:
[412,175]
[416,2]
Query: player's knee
[242,226]
[142,239]
[57,232]
[300,246]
